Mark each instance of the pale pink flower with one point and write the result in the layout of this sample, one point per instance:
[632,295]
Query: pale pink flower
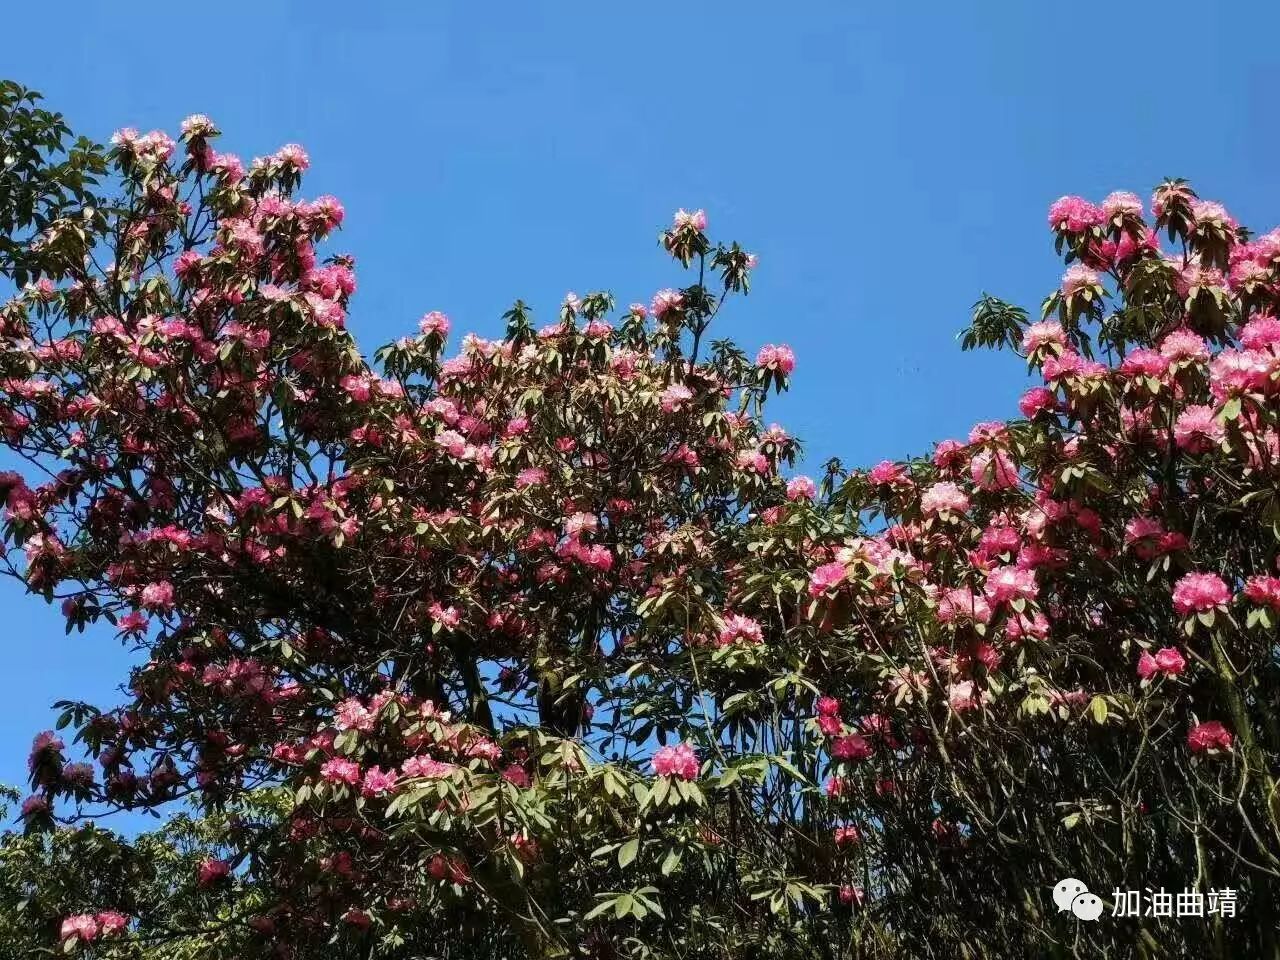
[1043,334]
[291,154]
[665,301]
[158,597]
[801,488]
[674,397]
[435,323]
[944,497]
[679,761]
[697,219]
[1077,278]
[1122,203]
[1184,345]
[993,470]
[961,697]
[422,766]
[1197,429]
[197,125]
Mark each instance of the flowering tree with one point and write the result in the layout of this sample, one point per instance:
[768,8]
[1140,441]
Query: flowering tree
[532,650]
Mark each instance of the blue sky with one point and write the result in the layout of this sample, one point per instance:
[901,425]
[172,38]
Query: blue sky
[888,162]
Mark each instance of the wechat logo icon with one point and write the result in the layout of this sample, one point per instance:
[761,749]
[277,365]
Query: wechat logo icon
[1072,895]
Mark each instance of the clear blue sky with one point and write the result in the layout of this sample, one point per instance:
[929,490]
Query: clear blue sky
[888,162]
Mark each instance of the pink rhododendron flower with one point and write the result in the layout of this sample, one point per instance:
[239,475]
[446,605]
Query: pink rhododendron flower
[853,746]
[1211,735]
[1144,362]
[674,397]
[1198,592]
[961,697]
[847,835]
[962,604]
[801,488]
[1074,215]
[422,766]
[1184,345]
[851,895]
[887,472]
[740,629]
[944,497]
[1197,429]
[1043,334]
[1011,583]
[1077,278]
[1037,400]
[211,871]
[351,714]
[158,597]
[1264,591]
[696,220]
[111,923]
[779,358]
[676,761]
[80,925]
[434,323]
[1122,203]
[340,770]
[378,781]
[826,577]
[666,301]
[1170,661]
[1261,333]
[993,470]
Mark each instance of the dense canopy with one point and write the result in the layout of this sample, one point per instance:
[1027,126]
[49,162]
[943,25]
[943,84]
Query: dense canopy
[538,647]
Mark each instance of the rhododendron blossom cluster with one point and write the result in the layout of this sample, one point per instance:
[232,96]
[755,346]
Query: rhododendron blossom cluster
[527,645]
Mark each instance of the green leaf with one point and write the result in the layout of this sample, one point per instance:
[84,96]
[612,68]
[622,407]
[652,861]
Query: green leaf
[628,852]
[622,906]
[1098,710]
[671,861]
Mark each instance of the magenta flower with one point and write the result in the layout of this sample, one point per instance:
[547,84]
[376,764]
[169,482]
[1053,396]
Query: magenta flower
[212,871]
[1198,592]
[1209,736]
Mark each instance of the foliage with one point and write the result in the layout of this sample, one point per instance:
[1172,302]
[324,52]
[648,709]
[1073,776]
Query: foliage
[43,178]
[533,651]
